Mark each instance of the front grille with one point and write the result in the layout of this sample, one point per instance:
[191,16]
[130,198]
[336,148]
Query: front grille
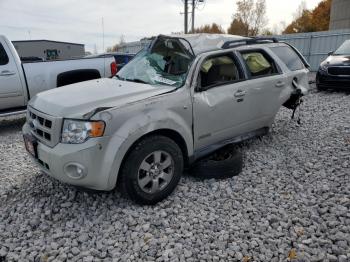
[339,70]
[40,125]
[44,127]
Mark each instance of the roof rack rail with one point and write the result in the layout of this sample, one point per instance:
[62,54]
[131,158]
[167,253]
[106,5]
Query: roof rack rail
[249,41]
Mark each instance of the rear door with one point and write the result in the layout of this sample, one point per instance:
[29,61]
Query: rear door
[11,92]
[266,87]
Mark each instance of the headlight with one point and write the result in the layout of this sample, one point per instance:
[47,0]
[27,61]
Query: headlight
[323,67]
[78,131]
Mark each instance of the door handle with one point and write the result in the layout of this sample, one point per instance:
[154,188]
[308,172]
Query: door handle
[7,73]
[240,93]
[280,84]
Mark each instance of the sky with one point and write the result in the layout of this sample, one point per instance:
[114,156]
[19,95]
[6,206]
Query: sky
[83,21]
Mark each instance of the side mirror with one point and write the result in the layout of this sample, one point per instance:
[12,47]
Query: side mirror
[198,88]
[330,53]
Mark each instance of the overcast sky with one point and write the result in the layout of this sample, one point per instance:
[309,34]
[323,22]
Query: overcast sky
[80,21]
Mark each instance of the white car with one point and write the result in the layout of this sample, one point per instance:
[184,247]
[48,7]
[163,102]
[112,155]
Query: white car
[20,82]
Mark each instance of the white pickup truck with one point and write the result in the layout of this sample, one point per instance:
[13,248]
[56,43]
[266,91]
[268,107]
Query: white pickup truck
[21,81]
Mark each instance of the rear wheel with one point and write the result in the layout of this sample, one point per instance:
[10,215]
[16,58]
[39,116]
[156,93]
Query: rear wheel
[152,170]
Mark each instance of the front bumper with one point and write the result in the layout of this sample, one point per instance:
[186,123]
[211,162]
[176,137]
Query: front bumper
[90,156]
[326,81]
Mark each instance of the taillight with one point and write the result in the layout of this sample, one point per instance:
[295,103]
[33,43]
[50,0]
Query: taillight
[114,68]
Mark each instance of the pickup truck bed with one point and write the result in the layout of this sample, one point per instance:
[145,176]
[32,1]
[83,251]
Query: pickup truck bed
[19,82]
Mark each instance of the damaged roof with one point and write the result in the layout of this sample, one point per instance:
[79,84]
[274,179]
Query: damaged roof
[208,42]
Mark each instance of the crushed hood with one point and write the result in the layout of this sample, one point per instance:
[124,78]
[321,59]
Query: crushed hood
[76,100]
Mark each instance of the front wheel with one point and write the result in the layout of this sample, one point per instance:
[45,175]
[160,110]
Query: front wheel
[152,170]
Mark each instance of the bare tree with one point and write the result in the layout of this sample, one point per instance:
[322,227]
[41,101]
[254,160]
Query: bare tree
[118,45]
[301,9]
[250,18]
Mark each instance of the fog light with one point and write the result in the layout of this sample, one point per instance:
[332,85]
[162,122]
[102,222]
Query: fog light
[75,170]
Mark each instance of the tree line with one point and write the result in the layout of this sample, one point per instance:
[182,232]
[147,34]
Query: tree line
[250,19]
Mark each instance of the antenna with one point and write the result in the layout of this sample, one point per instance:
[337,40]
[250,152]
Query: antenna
[103,45]
[103,34]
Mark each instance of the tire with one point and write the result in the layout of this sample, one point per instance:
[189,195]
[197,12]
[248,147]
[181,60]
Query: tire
[152,170]
[320,88]
[223,164]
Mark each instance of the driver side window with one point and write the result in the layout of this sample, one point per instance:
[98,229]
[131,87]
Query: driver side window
[218,70]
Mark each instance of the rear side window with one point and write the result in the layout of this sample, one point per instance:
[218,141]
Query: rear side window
[289,57]
[259,64]
[4,59]
[120,59]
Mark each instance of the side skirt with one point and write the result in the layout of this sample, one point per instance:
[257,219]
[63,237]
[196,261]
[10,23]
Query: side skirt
[13,111]
[235,140]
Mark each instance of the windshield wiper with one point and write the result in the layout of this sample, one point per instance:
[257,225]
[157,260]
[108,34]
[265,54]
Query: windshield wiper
[136,80]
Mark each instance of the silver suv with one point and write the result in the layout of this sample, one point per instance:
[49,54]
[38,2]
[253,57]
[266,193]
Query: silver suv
[178,100]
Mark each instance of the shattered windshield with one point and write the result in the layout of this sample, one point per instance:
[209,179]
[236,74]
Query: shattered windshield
[344,49]
[167,63]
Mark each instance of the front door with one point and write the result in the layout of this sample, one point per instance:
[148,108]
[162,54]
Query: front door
[219,100]
[11,93]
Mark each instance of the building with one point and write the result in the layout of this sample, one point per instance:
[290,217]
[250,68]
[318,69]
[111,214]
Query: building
[133,47]
[340,15]
[48,50]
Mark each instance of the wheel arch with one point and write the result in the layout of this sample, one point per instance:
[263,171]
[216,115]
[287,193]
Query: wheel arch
[169,133]
[76,76]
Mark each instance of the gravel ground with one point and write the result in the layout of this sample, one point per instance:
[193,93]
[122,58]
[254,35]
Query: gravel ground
[291,202]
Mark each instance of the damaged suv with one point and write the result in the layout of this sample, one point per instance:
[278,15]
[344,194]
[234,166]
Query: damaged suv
[177,101]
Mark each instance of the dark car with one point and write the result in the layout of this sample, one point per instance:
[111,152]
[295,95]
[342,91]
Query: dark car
[334,72]
[120,58]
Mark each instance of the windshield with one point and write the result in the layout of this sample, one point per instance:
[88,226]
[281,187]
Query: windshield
[167,63]
[344,49]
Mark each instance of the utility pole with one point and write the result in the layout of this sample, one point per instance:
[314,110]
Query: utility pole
[194,4]
[193,8]
[186,16]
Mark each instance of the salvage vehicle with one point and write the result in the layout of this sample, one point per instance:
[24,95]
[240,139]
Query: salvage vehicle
[21,81]
[178,100]
[334,72]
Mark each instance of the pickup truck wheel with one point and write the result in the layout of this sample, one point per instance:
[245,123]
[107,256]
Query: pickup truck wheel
[152,170]
[223,164]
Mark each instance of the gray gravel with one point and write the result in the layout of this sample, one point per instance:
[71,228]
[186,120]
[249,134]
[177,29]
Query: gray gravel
[292,199]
